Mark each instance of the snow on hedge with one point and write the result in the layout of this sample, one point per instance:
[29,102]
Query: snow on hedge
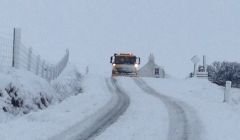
[68,83]
[220,72]
[22,91]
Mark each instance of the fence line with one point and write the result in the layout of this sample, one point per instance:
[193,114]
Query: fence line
[5,51]
[13,53]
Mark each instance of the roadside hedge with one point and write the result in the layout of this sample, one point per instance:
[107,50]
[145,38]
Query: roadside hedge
[220,72]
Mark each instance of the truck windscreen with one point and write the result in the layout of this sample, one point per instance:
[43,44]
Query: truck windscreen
[125,60]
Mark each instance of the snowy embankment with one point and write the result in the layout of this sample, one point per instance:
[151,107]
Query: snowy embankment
[22,92]
[56,118]
[219,121]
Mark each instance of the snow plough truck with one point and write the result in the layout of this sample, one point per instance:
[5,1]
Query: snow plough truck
[124,64]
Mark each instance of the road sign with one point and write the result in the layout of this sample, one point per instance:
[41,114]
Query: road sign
[195,59]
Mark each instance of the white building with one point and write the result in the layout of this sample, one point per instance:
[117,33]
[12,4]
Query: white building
[151,69]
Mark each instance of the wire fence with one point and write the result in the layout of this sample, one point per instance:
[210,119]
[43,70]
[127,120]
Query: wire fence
[13,53]
[6,52]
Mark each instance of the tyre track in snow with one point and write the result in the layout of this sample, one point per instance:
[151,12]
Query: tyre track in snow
[183,124]
[98,122]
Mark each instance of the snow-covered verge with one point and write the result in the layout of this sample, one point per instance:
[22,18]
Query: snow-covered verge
[22,92]
[68,83]
[58,118]
[219,121]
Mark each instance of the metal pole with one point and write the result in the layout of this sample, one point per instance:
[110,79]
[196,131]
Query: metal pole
[29,59]
[16,47]
[13,56]
[195,70]
[204,63]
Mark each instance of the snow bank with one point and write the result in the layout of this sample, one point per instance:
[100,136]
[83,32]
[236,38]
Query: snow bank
[22,91]
[68,83]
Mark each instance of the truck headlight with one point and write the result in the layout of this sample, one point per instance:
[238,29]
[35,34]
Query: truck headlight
[136,65]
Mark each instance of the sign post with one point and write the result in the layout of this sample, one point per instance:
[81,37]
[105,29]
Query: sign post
[227,91]
[195,59]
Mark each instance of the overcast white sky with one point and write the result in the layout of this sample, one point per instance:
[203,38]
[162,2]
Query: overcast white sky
[174,30]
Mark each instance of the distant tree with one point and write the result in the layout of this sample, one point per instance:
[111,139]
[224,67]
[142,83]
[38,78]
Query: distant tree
[220,72]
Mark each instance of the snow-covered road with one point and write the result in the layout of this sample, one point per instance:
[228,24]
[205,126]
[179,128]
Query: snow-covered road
[180,127]
[154,116]
[146,117]
[104,117]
